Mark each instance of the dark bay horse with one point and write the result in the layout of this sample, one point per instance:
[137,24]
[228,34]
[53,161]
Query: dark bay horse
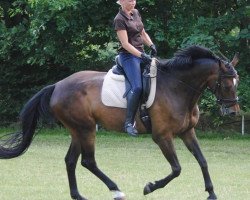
[76,102]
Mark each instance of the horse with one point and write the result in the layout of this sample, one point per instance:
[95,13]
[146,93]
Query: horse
[76,103]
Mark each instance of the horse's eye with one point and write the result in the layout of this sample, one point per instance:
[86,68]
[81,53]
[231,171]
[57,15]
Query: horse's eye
[227,88]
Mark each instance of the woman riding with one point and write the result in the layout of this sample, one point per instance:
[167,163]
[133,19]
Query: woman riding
[132,36]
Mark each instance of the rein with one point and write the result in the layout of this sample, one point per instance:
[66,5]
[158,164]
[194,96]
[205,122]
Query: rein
[180,81]
[221,101]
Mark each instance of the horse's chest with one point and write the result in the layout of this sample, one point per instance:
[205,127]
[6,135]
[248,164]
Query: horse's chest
[194,117]
[189,120]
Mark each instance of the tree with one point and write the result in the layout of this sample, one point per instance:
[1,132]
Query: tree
[43,41]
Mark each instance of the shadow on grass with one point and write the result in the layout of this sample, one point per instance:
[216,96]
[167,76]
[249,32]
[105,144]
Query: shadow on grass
[61,131]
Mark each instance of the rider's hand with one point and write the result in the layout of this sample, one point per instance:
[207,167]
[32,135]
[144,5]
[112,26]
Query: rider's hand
[146,58]
[153,50]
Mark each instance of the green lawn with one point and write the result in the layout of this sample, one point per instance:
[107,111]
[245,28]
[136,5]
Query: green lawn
[40,173]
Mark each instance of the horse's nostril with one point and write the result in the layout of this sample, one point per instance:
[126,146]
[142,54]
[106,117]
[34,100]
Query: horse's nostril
[233,113]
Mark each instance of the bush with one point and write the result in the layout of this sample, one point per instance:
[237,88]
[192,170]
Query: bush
[43,41]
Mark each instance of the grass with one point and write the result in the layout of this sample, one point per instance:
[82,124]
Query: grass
[40,173]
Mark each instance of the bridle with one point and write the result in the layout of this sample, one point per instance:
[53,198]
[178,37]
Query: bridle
[224,102]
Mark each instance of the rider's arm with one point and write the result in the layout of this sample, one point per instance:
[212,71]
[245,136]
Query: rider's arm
[146,39]
[123,37]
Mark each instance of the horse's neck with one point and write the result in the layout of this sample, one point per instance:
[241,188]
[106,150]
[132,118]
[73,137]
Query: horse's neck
[186,86]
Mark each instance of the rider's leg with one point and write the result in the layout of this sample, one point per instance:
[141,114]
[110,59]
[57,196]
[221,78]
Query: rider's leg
[131,66]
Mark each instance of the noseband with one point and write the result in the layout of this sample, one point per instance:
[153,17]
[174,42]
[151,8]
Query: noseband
[224,102]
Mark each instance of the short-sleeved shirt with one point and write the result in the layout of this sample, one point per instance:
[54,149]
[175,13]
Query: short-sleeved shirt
[133,25]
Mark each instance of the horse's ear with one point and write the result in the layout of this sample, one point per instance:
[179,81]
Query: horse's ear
[235,60]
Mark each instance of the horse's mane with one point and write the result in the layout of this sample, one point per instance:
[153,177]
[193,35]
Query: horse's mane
[184,58]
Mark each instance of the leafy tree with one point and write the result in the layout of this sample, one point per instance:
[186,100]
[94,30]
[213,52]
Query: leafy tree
[43,41]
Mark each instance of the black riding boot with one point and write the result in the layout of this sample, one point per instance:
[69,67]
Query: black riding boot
[132,104]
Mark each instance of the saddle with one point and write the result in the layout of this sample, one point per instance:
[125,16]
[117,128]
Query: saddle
[146,86]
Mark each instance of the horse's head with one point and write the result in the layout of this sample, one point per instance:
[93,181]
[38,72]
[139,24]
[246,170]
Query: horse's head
[225,87]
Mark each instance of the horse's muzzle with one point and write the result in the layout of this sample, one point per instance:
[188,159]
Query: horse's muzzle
[232,111]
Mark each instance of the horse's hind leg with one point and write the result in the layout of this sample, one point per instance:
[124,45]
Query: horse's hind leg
[71,161]
[190,140]
[167,147]
[88,161]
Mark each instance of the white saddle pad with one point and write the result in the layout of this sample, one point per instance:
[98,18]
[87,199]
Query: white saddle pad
[113,88]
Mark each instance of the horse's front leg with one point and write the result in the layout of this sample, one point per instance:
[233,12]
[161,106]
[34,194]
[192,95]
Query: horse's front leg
[167,147]
[190,140]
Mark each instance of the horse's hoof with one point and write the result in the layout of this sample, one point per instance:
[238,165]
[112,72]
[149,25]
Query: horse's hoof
[120,198]
[118,195]
[78,197]
[212,197]
[147,189]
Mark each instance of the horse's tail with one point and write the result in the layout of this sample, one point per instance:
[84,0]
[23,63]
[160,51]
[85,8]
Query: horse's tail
[15,144]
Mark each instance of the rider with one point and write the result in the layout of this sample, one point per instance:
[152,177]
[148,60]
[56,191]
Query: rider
[132,37]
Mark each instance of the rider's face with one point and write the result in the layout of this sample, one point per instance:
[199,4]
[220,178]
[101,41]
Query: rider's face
[128,4]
